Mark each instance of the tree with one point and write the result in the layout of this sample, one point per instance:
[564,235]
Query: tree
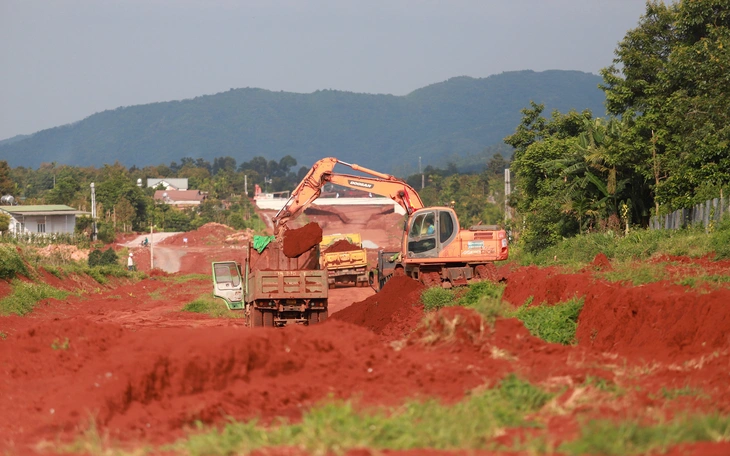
[670,77]
[7,186]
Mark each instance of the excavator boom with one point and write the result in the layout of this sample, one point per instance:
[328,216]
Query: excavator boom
[322,173]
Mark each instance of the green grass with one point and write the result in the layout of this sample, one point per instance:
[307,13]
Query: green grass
[177,279]
[635,272]
[435,298]
[335,427]
[631,437]
[556,323]
[25,296]
[11,263]
[216,308]
[639,244]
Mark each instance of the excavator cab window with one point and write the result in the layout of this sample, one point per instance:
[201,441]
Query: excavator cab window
[446,227]
[422,235]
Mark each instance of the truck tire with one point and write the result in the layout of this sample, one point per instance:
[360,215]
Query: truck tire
[268,319]
[256,318]
[312,317]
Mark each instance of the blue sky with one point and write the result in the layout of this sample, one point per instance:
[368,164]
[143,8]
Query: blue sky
[62,61]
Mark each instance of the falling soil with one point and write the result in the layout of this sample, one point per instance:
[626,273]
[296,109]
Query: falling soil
[342,245]
[299,240]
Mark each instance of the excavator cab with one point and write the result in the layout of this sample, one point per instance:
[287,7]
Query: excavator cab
[430,231]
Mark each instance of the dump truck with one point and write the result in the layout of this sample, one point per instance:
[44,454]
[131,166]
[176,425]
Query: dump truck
[344,259]
[273,289]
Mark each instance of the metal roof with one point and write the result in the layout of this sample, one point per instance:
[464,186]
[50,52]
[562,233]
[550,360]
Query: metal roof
[45,209]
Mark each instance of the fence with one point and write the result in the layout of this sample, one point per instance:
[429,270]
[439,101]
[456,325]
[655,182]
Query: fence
[707,213]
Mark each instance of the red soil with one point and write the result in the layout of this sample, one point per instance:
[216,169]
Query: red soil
[391,313]
[299,240]
[123,355]
[342,245]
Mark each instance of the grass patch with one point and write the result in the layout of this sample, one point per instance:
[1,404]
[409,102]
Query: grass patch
[556,323]
[11,263]
[337,427]
[184,278]
[435,298]
[636,273]
[631,437]
[639,244]
[207,304]
[25,296]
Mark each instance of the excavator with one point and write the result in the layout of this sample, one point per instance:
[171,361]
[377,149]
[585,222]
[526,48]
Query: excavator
[435,250]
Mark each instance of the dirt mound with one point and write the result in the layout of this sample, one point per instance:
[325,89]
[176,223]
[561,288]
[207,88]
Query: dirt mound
[64,252]
[154,384]
[299,240]
[659,320]
[393,312]
[656,321]
[208,234]
[343,245]
[601,263]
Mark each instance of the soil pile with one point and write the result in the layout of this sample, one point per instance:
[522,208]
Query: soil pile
[342,245]
[391,313]
[299,240]
[208,234]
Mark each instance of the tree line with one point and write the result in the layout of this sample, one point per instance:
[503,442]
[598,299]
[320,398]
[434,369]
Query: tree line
[665,144]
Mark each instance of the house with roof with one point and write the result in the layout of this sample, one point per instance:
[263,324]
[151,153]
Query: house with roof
[180,198]
[168,183]
[40,219]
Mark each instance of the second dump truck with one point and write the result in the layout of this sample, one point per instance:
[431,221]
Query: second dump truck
[344,259]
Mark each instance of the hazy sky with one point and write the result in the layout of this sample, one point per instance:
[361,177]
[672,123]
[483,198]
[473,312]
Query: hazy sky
[61,61]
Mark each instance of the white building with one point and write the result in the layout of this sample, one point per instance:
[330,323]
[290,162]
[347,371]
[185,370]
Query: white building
[168,183]
[55,218]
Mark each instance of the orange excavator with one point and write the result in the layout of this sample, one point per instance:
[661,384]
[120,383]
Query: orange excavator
[435,249]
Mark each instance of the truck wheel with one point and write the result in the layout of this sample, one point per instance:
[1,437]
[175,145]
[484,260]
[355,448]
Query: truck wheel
[268,319]
[256,318]
[322,315]
[313,317]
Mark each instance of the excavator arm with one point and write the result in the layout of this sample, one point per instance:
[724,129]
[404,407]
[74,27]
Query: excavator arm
[322,173]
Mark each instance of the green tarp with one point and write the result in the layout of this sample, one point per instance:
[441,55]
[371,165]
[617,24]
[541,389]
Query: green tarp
[260,242]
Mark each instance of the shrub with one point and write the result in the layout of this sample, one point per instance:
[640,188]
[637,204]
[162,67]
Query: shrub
[106,258]
[11,264]
[435,298]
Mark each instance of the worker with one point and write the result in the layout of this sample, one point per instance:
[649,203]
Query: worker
[430,229]
[130,262]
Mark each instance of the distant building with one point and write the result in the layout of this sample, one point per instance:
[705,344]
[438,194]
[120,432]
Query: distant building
[180,198]
[168,183]
[54,218]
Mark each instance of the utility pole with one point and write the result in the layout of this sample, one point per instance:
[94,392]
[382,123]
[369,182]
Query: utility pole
[93,212]
[152,251]
[245,184]
[507,191]
[420,171]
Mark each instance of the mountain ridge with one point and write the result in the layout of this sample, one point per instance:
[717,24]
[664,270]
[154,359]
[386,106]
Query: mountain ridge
[462,115]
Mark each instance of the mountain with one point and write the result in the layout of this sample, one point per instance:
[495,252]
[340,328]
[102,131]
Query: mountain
[440,122]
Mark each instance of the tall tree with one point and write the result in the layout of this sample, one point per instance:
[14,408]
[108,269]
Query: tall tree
[670,76]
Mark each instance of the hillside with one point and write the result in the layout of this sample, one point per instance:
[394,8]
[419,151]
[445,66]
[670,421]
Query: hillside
[460,116]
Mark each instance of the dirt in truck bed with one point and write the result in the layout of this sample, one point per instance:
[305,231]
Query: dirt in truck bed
[342,245]
[123,360]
